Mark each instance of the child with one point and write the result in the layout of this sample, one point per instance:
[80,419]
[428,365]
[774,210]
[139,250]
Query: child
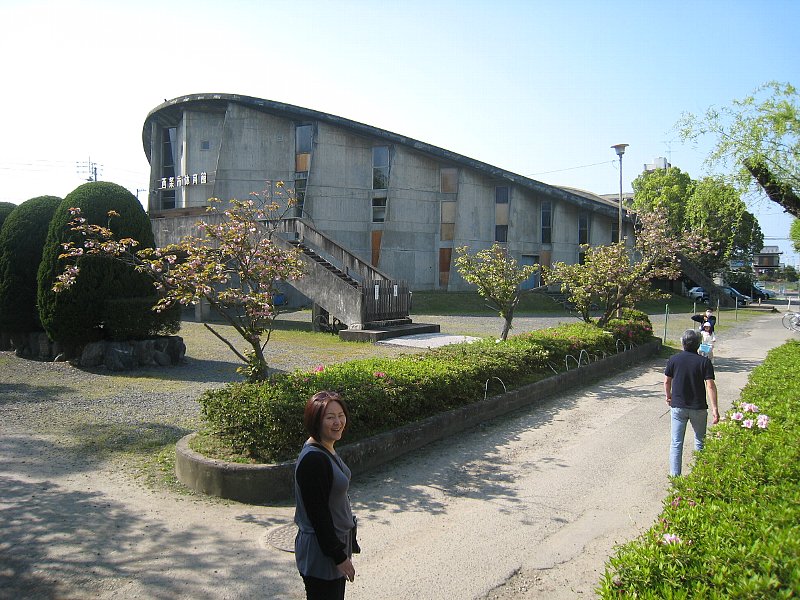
[708,317]
[707,345]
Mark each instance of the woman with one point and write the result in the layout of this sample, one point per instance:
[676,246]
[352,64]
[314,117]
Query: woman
[325,540]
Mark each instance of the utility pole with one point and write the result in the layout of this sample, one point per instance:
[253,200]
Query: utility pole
[89,168]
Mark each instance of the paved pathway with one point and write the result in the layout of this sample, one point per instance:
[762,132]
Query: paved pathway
[528,506]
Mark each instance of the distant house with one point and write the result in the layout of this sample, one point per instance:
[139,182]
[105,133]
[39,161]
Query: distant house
[395,202]
[768,260]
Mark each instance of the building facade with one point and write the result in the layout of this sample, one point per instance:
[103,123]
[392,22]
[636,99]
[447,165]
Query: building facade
[398,203]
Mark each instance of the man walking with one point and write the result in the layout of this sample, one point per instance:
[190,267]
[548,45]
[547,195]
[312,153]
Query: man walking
[687,378]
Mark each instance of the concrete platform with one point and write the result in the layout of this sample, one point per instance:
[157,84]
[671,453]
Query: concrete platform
[427,340]
[375,335]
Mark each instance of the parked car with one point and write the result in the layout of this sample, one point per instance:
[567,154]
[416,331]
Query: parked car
[758,293]
[740,298]
[698,294]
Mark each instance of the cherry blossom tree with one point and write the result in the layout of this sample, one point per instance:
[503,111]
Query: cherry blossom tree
[498,277]
[235,267]
[618,276]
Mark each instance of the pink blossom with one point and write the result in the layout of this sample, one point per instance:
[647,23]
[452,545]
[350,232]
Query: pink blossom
[763,421]
[748,423]
[671,538]
[747,407]
[379,374]
[737,416]
[319,368]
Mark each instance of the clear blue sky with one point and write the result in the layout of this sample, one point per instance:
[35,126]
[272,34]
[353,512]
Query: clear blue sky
[540,88]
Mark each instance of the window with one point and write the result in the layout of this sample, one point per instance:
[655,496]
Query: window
[169,148]
[501,233]
[299,196]
[378,210]
[615,231]
[380,167]
[448,181]
[583,228]
[547,222]
[205,145]
[303,142]
[501,195]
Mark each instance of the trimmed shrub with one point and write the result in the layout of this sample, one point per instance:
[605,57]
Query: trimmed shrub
[264,420]
[134,319]
[76,316]
[6,208]
[22,237]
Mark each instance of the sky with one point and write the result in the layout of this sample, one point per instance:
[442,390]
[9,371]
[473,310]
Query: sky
[539,88]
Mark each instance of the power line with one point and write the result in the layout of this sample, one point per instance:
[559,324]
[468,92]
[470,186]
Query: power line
[605,162]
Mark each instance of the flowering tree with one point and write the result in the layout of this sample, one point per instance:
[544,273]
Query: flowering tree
[616,276]
[498,277]
[234,267]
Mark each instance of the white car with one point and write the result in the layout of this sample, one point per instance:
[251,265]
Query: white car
[698,294]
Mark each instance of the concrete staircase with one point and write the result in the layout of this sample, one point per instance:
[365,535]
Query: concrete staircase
[348,293]
[715,293]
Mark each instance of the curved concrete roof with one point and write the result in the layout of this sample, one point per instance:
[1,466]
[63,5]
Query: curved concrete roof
[169,112]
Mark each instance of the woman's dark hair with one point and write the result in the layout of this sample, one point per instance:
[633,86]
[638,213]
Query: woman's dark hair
[315,411]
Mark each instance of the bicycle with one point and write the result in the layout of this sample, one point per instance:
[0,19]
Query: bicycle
[791,320]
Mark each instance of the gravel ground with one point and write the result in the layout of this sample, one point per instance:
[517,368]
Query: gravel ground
[142,409]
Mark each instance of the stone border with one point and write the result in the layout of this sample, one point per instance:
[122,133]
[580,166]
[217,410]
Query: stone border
[261,483]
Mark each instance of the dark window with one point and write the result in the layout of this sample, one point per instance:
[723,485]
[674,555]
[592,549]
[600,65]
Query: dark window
[547,222]
[501,233]
[448,181]
[303,136]
[205,145]
[378,210]
[169,147]
[380,167]
[615,231]
[299,196]
[501,195]
[303,141]
[583,228]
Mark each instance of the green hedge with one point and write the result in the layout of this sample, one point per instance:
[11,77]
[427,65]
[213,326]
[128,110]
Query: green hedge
[264,420]
[731,528]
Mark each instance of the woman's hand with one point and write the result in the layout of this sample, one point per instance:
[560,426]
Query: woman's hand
[347,569]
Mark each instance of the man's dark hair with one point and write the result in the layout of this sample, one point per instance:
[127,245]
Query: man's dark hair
[690,340]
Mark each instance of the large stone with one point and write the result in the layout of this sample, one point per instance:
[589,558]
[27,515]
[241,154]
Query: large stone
[176,349]
[120,356]
[92,355]
[144,351]
[162,359]
[44,348]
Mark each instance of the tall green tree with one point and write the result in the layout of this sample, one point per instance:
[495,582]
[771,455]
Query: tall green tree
[498,277]
[716,211]
[757,139]
[665,190]
[794,234]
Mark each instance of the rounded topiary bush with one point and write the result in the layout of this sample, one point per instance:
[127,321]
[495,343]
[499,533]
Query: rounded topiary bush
[79,315]
[22,237]
[6,208]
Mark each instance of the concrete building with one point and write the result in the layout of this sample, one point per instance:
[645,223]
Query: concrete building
[398,204]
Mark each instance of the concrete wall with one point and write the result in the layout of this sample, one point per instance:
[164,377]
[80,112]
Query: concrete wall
[248,147]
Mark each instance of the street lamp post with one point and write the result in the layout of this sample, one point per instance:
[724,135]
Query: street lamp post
[620,150]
